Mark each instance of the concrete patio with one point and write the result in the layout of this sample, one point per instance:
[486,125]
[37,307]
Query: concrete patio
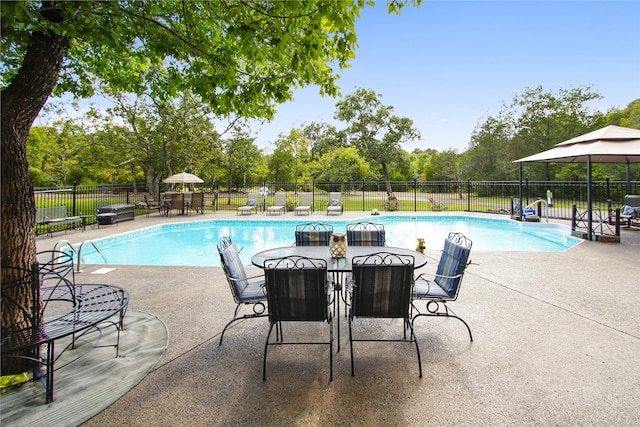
[556,342]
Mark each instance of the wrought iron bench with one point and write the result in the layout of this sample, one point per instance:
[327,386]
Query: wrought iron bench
[67,310]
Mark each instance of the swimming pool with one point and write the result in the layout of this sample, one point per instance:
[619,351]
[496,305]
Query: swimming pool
[194,243]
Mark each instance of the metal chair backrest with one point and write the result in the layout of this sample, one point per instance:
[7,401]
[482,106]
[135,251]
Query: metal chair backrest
[177,201]
[313,234]
[297,289]
[306,199]
[453,262]
[16,284]
[382,285]
[366,234]
[280,199]
[233,267]
[197,200]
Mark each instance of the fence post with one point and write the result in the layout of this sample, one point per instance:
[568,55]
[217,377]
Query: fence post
[468,195]
[127,191]
[526,192]
[75,189]
[415,194]
[313,195]
[362,195]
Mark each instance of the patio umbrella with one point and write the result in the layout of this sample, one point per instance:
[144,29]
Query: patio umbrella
[183,178]
[611,144]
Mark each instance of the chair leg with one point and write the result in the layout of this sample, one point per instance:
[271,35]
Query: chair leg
[236,318]
[330,349]
[266,346]
[447,313]
[353,374]
[415,340]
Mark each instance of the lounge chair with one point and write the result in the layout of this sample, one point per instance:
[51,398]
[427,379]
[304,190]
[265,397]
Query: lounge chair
[246,291]
[279,205]
[297,291]
[445,284]
[251,206]
[306,204]
[366,234]
[335,203]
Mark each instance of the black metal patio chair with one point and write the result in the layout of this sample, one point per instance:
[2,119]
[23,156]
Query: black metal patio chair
[444,286]
[297,291]
[246,291]
[313,234]
[366,234]
[381,288]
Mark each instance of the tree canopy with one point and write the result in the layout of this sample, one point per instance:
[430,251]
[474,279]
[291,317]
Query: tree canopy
[241,58]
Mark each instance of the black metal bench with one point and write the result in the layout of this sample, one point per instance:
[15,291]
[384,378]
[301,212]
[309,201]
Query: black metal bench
[68,310]
[55,216]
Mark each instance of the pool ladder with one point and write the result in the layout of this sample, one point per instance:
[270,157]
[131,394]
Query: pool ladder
[78,252]
[532,206]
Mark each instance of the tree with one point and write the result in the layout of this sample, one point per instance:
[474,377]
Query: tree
[241,155]
[342,165]
[323,139]
[488,155]
[543,119]
[242,58]
[374,130]
[289,157]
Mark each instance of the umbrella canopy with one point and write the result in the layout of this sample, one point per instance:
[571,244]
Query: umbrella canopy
[184,178]
[611,144]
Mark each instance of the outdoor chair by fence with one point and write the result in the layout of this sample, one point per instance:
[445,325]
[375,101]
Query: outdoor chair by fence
[251,206]
[306,204]
[366,234]
[176,201]
[381,288]
[313,234]
[630,210]
[279,204]
[335,203]
[152,205]
[445,284]
[246,291]
[197,202]
[297,291]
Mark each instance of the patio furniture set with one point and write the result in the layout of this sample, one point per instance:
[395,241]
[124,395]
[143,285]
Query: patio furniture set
[306,282]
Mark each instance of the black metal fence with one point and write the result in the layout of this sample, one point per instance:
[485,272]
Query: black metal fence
[407,196]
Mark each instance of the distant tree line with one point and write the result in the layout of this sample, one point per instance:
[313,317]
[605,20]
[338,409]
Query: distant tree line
[143,139]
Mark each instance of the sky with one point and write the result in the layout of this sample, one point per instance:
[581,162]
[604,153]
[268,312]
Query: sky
[448,65]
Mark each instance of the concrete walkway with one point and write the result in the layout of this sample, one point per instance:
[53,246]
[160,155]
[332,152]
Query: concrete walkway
[556,342]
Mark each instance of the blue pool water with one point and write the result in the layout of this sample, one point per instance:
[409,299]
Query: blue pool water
[194,243]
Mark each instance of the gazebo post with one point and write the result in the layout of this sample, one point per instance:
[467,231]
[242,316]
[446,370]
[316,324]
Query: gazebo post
[589,201]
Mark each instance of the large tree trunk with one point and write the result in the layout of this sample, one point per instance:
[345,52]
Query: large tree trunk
[22,101]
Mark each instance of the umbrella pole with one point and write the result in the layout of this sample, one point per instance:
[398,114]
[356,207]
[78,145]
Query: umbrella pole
[589,201]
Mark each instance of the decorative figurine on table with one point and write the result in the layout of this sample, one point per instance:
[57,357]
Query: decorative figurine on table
[338,245]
